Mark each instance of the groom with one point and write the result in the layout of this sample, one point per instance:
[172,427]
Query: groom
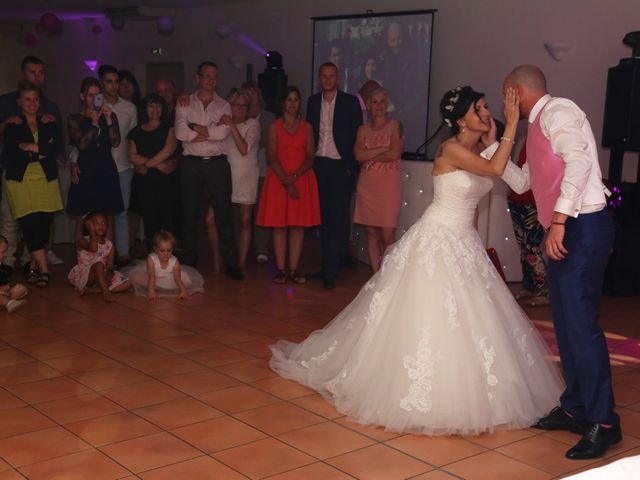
[565,177]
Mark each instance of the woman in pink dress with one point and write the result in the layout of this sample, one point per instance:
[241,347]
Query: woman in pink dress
[379,192]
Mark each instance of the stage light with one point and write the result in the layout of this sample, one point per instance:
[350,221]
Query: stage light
[274,60]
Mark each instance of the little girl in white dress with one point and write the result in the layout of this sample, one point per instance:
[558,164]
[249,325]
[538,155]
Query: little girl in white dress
[162,275]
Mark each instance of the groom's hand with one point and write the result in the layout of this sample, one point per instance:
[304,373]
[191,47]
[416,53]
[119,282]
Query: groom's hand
[553,244]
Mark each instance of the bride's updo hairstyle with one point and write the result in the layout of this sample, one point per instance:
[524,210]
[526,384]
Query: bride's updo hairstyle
[455,104]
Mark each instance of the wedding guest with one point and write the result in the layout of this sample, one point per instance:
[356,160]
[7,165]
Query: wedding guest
[334,117]
[151,147]
[205,164]
[289,201]
[264,117]
[242,151]
[126,113]
[29,158]
[33,72]
[95,185]
[378,148]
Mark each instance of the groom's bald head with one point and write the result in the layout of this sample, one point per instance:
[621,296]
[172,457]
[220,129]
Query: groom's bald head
[530,83]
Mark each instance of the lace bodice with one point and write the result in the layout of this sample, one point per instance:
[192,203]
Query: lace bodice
[456,196]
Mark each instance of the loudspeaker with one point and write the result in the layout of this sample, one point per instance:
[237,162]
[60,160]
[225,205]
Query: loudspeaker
[622,106]
[272,83]
[622,277]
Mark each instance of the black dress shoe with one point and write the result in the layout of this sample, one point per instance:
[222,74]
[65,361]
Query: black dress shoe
[235,273]
[329,283]
[557,419]
[595,442]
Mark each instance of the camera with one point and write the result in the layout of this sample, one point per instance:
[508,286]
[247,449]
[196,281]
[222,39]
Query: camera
[98,101]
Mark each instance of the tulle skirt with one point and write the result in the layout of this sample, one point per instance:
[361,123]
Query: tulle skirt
[434,344]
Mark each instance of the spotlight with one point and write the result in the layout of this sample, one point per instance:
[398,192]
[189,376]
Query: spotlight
[274,60]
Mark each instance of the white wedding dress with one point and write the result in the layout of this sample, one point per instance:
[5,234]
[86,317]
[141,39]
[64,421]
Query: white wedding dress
[434,343]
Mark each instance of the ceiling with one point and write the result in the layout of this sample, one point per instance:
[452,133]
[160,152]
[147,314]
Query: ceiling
[13,11]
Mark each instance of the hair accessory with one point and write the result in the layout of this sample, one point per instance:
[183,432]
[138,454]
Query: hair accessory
[449,108]
[448,122]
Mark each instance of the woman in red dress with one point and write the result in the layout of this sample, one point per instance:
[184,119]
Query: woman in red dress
[289,201]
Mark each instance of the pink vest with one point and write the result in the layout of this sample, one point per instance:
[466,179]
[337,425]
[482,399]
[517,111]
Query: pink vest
[546,170]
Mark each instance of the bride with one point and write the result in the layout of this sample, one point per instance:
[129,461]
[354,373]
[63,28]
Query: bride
[435,343]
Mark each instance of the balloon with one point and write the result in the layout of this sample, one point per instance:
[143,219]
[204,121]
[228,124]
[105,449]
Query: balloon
[50,23]
[117,24]
[166,25]
[30,40]
[96,29]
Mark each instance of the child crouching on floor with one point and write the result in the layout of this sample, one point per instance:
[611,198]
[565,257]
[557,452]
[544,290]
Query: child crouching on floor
[94,272]
[11,297]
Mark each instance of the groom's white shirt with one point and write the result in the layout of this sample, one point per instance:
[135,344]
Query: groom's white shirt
[571,138]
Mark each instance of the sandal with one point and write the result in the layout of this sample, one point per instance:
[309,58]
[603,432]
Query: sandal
[280,277]
[43,280]
[33,276]
[297,278]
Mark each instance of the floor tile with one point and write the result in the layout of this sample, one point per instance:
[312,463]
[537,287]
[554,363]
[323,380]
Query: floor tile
[377,433]
[436,475]
[279,418]
[60,348]
[325,440]
[8,401]
[238,399]
[111,377]
[263,458]
[142,394]
[543,453]
[49,389]
[153,451]
[177,413]
[379,462]
[26,372]
[492,466]
[12,356]
[213,357]
[16,421]
[90,464]
[499,438]
[81,407]
[436,450]
[218,434]
[283,388]
[187,343]
[201,468]
[315,471]
[82,362]
[317,404]
[200,381]
[39,446]
[248,371]
[167,365]
[112,428]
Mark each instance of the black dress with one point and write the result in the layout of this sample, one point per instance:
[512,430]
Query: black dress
[158,195]
[99,187]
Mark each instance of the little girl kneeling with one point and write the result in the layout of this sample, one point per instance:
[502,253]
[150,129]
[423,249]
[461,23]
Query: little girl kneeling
[163,276]
[94,272]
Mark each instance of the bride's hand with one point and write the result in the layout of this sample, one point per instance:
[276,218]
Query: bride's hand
[491,136]
[511,106]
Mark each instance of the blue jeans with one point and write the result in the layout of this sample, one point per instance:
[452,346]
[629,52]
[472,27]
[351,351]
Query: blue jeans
[121,220]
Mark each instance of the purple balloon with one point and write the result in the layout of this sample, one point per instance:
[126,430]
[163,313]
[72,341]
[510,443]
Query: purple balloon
[166,25]
[96,29]
[50,23]
[30,40]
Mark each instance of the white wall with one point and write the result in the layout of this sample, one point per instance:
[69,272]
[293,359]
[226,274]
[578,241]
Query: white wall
[475,42]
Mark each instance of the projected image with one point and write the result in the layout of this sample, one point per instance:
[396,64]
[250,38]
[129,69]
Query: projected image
[392,49]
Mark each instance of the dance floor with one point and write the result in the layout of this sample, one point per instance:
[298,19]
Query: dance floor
[182,390]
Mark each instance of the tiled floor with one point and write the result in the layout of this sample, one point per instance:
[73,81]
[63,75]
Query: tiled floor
[182,390]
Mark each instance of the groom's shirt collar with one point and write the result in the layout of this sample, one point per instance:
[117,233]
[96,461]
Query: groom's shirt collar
[538,106]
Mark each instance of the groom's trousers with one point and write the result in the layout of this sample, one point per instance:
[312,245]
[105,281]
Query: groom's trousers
[575,288]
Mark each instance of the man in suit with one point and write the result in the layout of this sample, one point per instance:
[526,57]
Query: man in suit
[335,117]
[563,171]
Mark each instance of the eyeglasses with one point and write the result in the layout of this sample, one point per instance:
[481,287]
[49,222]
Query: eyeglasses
[240,105]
